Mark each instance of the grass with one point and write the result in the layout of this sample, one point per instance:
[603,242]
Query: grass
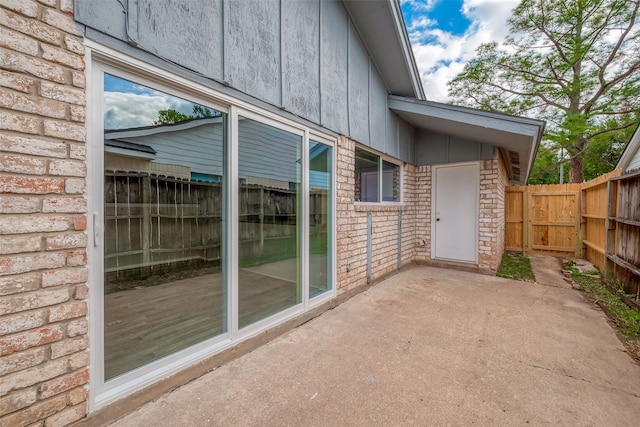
[627,318]
[515,266]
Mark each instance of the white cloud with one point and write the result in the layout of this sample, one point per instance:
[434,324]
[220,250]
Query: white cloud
[441,55]
[128,110]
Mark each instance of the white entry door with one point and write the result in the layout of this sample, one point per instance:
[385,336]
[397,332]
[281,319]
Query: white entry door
[455,212]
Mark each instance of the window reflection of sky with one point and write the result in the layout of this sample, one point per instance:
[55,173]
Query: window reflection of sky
[130,105]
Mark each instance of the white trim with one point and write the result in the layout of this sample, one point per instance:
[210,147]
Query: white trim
[233,208]
[631,152]
[387,158]
[95,261]
[303,229]
[433,208]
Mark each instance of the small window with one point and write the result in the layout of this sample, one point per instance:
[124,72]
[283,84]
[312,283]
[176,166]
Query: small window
[376,179]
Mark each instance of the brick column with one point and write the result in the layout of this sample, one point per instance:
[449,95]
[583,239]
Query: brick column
[43,275]
[493,179]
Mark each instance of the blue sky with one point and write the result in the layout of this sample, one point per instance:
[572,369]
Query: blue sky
[445,33]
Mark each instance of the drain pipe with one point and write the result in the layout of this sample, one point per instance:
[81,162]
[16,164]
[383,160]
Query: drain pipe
[369,245]
[399,240]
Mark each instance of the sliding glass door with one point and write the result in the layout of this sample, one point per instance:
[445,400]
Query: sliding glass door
[209,225]
[269,221]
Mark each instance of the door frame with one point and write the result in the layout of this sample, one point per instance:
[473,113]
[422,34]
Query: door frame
[434,237]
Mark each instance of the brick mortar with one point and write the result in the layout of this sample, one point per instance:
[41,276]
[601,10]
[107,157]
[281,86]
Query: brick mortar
[43,339]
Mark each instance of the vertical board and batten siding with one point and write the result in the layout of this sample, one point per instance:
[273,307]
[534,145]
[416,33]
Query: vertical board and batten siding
[305,58]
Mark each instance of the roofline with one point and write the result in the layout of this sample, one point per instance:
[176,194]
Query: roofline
[474,111]
[401,27]
[532,129]
[396,62]
[632,146]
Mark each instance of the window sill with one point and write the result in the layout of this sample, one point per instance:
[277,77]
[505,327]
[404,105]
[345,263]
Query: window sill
[379,207]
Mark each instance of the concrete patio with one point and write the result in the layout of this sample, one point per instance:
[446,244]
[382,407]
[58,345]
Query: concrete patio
[428,346]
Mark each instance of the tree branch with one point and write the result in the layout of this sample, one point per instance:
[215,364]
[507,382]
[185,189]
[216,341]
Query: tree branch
[621,127]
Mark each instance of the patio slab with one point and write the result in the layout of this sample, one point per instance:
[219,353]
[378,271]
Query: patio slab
[428,346]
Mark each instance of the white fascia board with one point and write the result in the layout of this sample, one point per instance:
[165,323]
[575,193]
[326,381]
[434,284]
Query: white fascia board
[485,119]
[632,147]
[407,50]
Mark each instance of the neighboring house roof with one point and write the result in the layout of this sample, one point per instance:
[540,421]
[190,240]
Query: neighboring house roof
[517,137]
[383,31]
[129,149]
[630,158]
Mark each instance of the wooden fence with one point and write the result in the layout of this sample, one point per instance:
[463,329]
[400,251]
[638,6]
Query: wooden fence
[155,222]
[623,232]
[543,219]
[598,220]
[594,203]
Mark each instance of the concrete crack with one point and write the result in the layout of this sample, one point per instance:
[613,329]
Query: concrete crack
[630,393]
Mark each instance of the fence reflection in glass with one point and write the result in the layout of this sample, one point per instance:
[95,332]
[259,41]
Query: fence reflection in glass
[164,287]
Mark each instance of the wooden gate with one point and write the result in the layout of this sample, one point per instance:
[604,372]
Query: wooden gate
[543,219]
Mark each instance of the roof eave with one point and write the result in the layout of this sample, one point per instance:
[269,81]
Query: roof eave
[382,30]
[516,136]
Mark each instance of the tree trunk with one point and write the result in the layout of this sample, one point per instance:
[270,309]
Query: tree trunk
[575,172]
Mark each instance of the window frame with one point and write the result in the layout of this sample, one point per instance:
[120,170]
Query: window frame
[380,173]
[100,60]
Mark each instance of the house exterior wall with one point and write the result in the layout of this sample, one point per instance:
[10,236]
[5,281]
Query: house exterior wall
[352,224]
[303,57]
[635,162]
[43,274]
[43,191]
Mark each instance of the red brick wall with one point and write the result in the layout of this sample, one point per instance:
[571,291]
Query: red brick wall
[43,275]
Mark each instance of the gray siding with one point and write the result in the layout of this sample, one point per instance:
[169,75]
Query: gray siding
[434,148]
[358,68]
[252,48]
[303,56]
[334,31]
[300,59]
[635,162]
[170,33]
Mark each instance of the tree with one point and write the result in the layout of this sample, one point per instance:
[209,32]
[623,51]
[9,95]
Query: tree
[575,64]
[172,116]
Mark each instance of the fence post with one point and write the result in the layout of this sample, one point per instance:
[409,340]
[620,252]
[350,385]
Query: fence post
[612,203]
[578,195]
[583,219]
[526,221]
[146,221]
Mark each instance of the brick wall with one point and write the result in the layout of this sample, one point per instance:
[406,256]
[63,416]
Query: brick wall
[352,223]
[422,213]
[43,289]
[416,221]
[493,179]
